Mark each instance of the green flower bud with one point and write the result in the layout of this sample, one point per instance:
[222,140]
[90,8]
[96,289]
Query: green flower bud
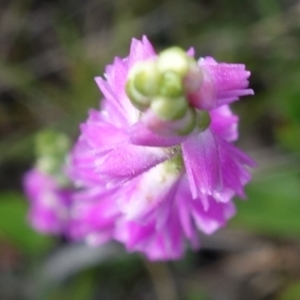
[169,108]
[203,119]
[189,122]
[173,59]
[171,85]
[51,152]
[51,143]
[141,102]
[145,77]
[48,164]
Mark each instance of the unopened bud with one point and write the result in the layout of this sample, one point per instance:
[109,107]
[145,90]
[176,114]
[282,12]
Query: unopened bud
[188,123]
[171,85]
[146,78]
[203,119]
[169,108]
[138,100]
[173,59]
[51,152]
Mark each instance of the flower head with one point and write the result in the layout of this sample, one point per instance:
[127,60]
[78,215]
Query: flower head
[49,202]
[156,163]
[47,187]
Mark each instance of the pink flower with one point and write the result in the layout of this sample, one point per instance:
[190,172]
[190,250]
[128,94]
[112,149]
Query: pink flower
[222,84]
[156,164]
[49,203]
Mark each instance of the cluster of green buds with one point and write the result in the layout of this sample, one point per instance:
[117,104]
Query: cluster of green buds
[162,84]
[51,148]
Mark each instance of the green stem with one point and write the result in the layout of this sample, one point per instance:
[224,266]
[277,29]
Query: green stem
[162,279]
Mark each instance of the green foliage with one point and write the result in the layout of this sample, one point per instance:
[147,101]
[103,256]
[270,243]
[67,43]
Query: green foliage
[292,292]
[15,228]
[196,296]
[273,205]
[81,287]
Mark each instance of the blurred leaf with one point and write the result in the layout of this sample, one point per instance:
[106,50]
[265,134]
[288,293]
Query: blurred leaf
[273,204]
[62,272]
[17,146]
[196,296]
[291,293]
[285,96]
[289,135]
[80,288]
[13,224]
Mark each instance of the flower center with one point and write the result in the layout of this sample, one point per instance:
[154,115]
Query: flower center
[159,88]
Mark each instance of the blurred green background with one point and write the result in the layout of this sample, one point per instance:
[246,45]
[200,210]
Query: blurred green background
[50,51]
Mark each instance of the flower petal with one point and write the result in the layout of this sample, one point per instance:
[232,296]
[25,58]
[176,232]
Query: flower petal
[128,161]
[93,216]
[224,123]
[49,203]
[222,84]
[140,50]
[157,186]
[201,158]
[140,135]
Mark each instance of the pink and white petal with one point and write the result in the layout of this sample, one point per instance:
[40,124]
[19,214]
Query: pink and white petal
[140,51]
[205,98]
[156,245]
[214,218]
[201,158]
[102,136]
[183,202]
[191,52]
[133,234]
[224,123]
[81,164]
[227,77]
[234,167]
[94,214]
[140,134]
[48,202]
[148,192]
[116,76]
[222,83]
[128,161]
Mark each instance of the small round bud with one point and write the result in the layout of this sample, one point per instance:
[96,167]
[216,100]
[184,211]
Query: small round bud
[169,108]
[51,151]
[190,121]
[48,164]
[173,59]
[145,77]
[138,100]
[51,143]
[203,119]
[171,85]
